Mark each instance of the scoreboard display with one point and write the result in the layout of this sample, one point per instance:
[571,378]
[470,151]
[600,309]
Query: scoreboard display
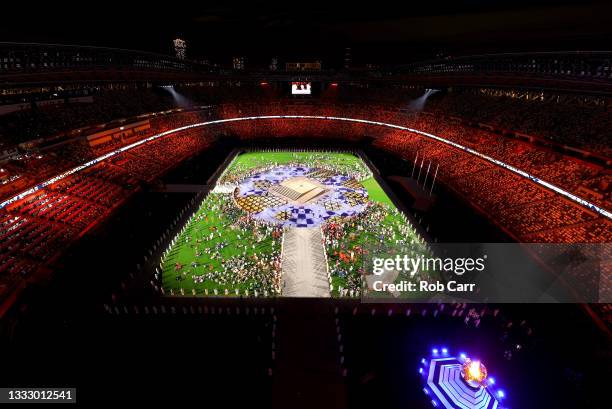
[301,88]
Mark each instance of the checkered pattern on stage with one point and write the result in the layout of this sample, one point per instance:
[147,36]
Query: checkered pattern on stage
[352,184]
[343,197]
[355,198]
[255,204]
[320,174]
[332,205]
[302,217]
[261,184]
[283,216]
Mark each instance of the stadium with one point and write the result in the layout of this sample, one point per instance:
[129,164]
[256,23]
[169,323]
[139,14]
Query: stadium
[424,231]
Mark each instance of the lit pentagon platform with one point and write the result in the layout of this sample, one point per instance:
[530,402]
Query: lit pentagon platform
[459,382]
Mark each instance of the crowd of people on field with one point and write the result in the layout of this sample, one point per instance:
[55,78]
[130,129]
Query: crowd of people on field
[224,251]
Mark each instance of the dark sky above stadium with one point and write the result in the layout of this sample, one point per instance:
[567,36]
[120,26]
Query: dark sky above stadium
[380,32]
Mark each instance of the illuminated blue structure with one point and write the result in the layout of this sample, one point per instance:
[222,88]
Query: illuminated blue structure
[458,382]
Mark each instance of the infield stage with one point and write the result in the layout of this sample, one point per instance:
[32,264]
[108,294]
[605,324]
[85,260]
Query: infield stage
[282,223]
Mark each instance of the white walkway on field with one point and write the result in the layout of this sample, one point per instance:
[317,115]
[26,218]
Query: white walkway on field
[227,188]
[303,263]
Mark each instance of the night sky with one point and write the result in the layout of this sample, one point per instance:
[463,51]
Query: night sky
[379,32]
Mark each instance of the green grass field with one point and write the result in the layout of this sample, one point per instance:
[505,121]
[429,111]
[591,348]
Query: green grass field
[219,253]
[375,192]
[210,241]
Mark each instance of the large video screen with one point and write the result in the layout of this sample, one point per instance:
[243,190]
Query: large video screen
[301,88]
